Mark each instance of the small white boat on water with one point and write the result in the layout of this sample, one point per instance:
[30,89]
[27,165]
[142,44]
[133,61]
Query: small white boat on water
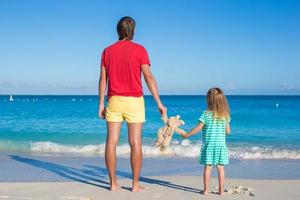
[11,98]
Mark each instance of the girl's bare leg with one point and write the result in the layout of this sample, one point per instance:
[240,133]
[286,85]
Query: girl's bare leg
[206,179]
[221,176]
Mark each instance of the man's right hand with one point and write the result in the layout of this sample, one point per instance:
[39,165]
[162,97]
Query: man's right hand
[162,109]
[102,111]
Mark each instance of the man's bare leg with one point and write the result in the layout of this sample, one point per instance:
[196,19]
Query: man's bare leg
[112,139]
[135,141]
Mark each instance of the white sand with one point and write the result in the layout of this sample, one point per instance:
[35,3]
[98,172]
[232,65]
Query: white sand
[167,187]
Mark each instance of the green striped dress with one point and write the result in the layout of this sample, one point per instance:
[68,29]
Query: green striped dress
[214,150]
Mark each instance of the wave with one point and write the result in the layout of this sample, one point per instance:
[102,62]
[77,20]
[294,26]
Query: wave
[248,153]
[180,149]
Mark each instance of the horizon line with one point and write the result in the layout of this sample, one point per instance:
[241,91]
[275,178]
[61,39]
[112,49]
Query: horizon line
[150,94]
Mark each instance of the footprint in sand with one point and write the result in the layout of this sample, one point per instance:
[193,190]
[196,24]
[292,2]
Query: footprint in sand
[75,198]
[157,195]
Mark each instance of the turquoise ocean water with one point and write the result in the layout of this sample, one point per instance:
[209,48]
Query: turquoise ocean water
[263,127]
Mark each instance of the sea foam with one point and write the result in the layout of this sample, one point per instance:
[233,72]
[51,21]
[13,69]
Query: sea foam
[183,149]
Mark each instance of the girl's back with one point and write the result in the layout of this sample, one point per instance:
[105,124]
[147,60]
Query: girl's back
[214,130]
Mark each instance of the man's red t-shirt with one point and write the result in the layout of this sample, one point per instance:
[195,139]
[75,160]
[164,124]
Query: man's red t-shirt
[122,61]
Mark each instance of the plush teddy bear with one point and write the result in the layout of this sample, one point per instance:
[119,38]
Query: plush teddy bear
[164,135]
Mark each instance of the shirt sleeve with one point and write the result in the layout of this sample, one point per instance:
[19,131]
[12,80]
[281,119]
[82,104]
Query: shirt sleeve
[144,58]
[203,118]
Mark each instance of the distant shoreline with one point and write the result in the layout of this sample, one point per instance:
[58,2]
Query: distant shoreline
[164,95]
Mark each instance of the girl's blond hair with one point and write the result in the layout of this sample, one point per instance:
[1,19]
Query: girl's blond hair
[217,103]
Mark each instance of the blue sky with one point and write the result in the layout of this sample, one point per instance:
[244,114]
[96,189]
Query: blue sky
[244,47]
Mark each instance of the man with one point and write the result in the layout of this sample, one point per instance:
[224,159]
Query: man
[122,65]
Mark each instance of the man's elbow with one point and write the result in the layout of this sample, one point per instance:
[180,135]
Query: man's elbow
[102,82]
[149,78]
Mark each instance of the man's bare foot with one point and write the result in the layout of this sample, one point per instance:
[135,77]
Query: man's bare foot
[114,187]
[137,188]
[205,192]
[221,192]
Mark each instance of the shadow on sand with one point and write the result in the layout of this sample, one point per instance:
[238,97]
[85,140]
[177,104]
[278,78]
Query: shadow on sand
[93,175]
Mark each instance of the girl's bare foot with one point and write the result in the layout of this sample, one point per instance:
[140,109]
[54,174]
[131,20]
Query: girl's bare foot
[114,187]
[221,192]
[205,192]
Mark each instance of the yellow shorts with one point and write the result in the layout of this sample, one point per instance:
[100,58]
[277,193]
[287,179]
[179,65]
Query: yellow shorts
[130,109]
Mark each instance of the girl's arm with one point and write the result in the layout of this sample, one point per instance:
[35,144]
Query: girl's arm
[102,88]
[228,129]
[195,130]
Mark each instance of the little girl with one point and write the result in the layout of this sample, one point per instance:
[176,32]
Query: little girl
[214,122]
